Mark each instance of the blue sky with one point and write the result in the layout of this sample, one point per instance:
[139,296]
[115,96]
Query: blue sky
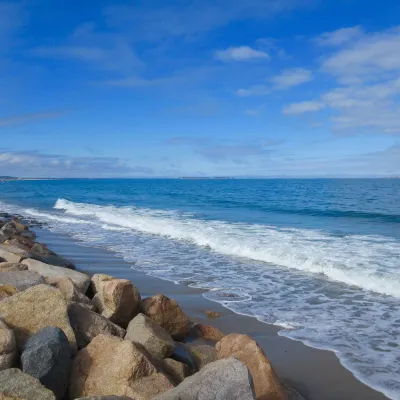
[272,88]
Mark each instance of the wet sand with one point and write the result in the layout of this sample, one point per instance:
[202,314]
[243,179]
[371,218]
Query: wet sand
[316,374]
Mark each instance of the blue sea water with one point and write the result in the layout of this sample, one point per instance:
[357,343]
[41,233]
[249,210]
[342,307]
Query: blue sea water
[318,258]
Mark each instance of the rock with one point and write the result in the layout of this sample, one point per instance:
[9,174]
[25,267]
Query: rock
[81,280]
[113,366]
[7,266]
[247,350]
[70,291]
[19,227]
[167,313]
[153,337]
[182,354]
[12,249]
[28,234]
[21,280]
[212,314]
[7,291]
[20,242]
[292,394]
[8,347]
[220,380]
[41,249]
[178,371]
[104,398]
[97,281]
[9,229]
[26,313]
[206,332]
[9,256]
[87,324]
[202,354]
[19,386]
[51,259]
[47,357]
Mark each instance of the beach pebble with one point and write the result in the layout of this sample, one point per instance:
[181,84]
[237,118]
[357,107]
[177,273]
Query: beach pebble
[167,313]
[47,357]
[20,386]
[34,309]
[247,350]
[21,280]
[116,299]
[81,280]
[8,346]
[113,366]
[88,324]
[220,380]
[178,371]
[212,314]
[151,336]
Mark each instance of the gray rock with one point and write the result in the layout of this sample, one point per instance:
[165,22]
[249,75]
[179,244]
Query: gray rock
[8,347]
[16,384]
[21,280]
[155,339]
[80,279]
[9,229]
[176,370]
[28,235]
[47,357]
[220,380]
[182,354]
[203,354]
[87,325]
[51,259]
[105,398]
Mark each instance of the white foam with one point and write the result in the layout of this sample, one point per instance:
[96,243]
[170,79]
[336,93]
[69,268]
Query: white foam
[367,262]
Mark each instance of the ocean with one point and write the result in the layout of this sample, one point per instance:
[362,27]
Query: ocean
[319,258]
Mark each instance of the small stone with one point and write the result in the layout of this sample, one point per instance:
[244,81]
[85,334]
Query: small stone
[212,314]
[21,280]
[88,324]
[178,371]
[167,313]
[153,337]
[17,385]
[8,347]
[220,380]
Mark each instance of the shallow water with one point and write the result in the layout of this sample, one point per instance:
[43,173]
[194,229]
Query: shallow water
[319,258]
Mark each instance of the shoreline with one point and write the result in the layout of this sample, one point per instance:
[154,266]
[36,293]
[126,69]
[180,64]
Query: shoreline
[315,373]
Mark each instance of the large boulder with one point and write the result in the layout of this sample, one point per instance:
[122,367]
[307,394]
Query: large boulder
[244,348]
[9,256]
[116,299]
[71,291]
[113,366]
[151,336]
[52,259]
[7,267]
[88,324]
[81,280]
[21,280]
[167,313]
[220,380]
[8,347]
[47,357]
[16,385]
[178,371]
[28,312]
[202,354]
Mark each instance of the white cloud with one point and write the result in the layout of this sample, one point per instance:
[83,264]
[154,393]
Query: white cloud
[241,53]
[303,107]
[339,36]
[291,77]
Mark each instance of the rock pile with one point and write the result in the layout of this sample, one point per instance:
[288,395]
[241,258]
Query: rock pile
[65,335]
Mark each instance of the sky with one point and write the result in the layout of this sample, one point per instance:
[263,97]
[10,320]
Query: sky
[170,88]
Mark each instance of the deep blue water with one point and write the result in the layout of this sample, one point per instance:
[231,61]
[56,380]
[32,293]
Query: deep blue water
[319,258]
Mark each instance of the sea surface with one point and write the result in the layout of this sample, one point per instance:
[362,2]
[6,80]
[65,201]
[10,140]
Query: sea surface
[318,258]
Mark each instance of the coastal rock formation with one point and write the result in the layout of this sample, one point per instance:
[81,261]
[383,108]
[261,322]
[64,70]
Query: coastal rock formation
[116,299]
[167,313]
[47,357]
[113,366]
[71,291]
[178,371]
[14,384]
[220,380]
[247,350]
[202,354]
[8,347]
[21,280]
[88,324]
[36,308]
[8,267]
[151,336]
[81,280]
